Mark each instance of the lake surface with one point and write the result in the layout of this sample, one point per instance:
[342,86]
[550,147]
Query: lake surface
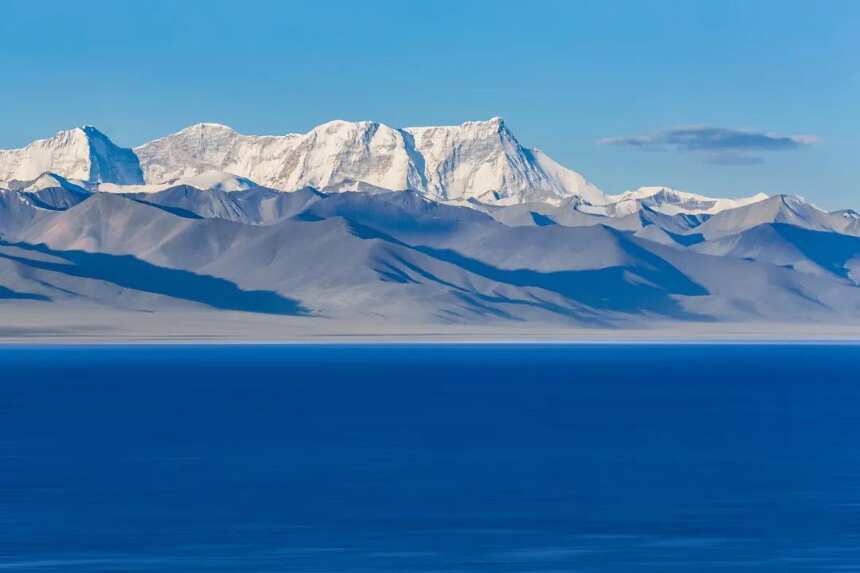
[609,458]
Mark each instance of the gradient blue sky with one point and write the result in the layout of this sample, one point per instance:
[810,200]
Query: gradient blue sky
[564,75]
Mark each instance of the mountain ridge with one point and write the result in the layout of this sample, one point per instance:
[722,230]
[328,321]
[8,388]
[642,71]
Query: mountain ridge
[474,161]
[358,222]
[401,257]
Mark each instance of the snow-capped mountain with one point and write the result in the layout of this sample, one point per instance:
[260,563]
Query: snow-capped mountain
[672,202]
[481,160]
[472,164]
[82,153]
[453,224]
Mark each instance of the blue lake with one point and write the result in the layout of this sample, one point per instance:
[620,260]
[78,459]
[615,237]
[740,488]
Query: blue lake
[599,458]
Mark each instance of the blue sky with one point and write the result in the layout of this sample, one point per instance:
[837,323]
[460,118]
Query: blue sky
[722,98]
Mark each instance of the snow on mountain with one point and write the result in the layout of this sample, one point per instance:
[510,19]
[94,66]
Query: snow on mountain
[479,159]
[48,181]
[218,181]
[82,153]
[846,221]
[483,160]
[475,161]
[479,164]
[672,202]
[199,218]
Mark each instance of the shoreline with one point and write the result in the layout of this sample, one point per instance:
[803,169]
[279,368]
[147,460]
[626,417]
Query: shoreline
[31,324]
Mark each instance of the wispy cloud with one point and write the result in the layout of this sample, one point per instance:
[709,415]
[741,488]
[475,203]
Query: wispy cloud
[717,144]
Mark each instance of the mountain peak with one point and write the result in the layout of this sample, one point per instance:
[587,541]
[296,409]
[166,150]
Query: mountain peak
[80,132]
[495,121]
[82,153]
[208,126]
[343,125]
[495,125]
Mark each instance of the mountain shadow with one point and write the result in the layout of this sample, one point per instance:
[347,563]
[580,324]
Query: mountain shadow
[6,293]
[132,273]
[628,289]
[178,211]
[830,251]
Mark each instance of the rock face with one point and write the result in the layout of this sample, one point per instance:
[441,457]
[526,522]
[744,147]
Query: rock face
[85,154]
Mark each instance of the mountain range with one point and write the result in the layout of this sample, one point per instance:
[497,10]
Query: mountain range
[429,225]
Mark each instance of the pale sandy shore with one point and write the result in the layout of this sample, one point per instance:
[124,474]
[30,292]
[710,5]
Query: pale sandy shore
[39,323]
